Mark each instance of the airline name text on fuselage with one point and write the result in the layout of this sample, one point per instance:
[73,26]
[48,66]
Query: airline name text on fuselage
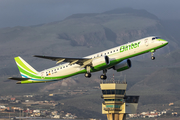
[129,47]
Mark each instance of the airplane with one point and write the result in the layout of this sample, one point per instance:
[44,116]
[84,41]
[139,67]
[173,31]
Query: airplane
[116,58]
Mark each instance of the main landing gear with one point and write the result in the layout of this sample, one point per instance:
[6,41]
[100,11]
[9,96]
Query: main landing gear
[88,74]
[103,76]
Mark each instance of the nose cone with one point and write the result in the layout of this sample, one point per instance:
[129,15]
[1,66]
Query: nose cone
[164,42]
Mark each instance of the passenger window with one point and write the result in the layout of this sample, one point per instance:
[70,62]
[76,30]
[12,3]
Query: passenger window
[117,50]
[63,66]
[153,38]
[108,53]
[114,50]
[111,51]
[104,53]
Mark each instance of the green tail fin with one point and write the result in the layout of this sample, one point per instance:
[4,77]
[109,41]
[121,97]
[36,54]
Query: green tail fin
[25,69]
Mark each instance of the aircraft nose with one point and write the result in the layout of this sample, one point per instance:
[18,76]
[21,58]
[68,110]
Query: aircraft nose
[165,42]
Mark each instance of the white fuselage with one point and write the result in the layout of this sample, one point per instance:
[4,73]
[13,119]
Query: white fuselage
[129,50]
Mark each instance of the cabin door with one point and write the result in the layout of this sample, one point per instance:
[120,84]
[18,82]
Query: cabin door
[146,41]
[42,75]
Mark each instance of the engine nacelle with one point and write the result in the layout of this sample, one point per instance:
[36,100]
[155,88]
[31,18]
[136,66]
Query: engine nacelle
[100,62]
[123,65]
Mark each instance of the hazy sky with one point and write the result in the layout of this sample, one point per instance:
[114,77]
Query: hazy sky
[34,12]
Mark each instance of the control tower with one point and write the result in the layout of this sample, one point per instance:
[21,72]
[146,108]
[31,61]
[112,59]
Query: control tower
[116,103]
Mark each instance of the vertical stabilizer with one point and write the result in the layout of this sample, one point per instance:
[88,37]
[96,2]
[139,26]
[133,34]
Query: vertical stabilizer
[25,69]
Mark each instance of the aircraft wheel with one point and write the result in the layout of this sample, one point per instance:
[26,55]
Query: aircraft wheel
[87,75]
[103,77]
[152,57]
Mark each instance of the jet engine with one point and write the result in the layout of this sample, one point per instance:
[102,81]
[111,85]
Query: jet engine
[100,62]
[123,65]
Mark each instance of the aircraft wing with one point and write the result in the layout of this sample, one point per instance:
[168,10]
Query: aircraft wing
[81,61]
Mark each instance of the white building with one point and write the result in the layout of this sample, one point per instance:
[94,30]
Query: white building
[3,107]
[36,111]
[163,112]
[56,116]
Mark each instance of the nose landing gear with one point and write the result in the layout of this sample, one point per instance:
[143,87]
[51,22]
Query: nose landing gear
[152,55]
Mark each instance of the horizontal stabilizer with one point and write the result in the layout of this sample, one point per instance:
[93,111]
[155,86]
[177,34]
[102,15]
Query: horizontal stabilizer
[18,78]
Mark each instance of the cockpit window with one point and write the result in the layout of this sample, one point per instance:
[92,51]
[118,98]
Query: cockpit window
[155,38]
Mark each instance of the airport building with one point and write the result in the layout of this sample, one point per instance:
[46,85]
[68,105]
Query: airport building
[116,103]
